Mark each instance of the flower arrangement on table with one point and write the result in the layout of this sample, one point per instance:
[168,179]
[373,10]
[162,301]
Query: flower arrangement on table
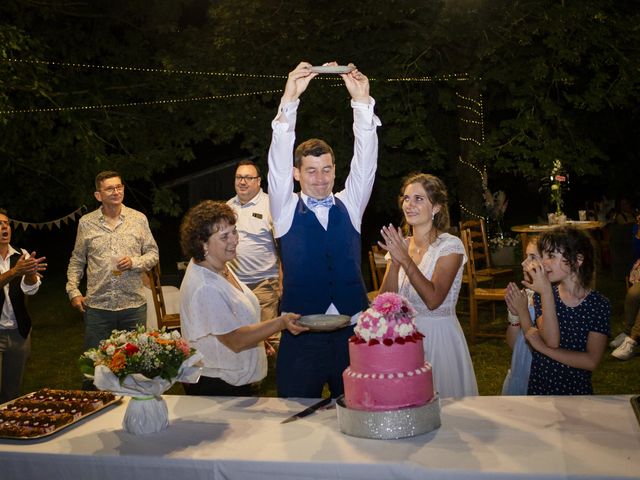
[389,320]
[142,364]
[557,178]
[498,243]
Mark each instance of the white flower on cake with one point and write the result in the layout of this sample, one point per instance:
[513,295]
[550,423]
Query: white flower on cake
[389,319]
[372,325]
[404,329]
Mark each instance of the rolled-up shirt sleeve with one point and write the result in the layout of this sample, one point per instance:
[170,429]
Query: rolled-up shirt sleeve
[30,289]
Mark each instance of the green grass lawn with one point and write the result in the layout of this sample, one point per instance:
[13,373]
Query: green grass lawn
[58,331]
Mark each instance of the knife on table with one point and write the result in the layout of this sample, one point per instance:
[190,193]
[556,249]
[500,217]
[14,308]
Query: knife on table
[308,411]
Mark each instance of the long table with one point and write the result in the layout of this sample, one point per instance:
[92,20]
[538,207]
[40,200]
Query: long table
[242,438]
[539,228]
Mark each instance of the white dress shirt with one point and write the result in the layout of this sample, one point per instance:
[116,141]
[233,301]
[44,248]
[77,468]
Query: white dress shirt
[8,317]
[359,183]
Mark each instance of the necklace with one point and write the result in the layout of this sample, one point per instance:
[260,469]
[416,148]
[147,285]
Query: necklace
[420,250]
[223,272]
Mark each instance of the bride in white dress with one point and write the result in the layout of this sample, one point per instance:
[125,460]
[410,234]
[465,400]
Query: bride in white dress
[426,268]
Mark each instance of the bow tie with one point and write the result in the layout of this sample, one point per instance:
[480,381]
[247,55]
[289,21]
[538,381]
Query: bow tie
[325,202]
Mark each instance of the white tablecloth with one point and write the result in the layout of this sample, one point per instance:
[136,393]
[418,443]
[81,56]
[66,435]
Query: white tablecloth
[171,301]
[229,438]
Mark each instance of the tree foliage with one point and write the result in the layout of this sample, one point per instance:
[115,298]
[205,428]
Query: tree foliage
[559,80]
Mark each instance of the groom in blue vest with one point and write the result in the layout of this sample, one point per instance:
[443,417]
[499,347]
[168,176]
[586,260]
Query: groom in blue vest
[319,235]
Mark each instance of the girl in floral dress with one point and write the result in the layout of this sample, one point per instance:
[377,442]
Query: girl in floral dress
[572,320]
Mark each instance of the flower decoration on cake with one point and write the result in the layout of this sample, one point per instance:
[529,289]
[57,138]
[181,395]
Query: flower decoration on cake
[389,320]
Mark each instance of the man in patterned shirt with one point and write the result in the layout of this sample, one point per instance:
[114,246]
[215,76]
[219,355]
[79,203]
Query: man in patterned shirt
[115,246]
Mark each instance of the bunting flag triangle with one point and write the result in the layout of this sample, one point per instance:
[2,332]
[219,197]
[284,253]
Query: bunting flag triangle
[17,224]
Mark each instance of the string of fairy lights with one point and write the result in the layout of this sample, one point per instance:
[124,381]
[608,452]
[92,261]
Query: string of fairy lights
[473,105]
[476,107]
[135,104]
[166,71]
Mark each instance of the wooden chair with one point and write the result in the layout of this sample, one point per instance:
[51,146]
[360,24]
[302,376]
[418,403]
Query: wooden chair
[477,294]
[168,320]
[376,257]
[480,249]
[479,278]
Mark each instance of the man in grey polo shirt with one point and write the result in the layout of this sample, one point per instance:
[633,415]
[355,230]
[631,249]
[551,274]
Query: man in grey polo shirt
[256,263]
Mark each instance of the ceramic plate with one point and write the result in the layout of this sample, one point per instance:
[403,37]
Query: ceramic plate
[324,323]
[336,69]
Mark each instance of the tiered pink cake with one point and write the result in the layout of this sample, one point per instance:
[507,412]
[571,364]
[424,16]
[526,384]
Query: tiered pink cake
[387,369]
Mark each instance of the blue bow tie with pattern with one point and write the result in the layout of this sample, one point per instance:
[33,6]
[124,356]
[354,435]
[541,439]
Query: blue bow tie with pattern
[325,202]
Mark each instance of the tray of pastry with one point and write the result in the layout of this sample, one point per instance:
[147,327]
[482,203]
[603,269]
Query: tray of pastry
[47,411]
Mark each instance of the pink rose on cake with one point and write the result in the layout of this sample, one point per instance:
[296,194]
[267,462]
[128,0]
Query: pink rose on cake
[390,319]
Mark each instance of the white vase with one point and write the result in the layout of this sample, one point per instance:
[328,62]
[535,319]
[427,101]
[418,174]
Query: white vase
[145,415]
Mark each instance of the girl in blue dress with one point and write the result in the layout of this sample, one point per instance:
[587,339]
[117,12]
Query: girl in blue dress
[572,320]
[520,304]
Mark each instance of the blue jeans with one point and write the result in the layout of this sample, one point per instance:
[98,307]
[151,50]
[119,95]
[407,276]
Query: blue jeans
[98,324]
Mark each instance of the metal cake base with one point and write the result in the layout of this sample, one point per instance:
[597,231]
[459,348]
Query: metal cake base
[389,424]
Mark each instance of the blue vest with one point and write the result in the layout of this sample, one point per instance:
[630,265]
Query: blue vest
[321,267]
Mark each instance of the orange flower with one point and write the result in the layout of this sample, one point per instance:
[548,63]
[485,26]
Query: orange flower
[117,362]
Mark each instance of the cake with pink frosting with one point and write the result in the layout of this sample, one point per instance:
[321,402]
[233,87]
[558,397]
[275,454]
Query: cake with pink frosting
[387,369]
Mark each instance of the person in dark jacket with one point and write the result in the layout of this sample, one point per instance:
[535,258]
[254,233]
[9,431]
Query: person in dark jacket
[19,276]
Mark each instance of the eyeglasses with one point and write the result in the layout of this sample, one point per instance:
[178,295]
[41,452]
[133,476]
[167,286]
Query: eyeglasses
[114,189]
[246,178]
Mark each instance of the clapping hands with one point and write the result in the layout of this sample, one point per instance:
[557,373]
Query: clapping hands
[516,299]
[395,243]
[29,264]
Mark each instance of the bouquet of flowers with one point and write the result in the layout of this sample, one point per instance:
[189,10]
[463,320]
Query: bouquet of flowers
[497,243]
[389,320]
[142,364]
[557,178]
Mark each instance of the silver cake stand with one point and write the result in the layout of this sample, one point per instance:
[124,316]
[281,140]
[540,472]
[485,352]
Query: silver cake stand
[388,424]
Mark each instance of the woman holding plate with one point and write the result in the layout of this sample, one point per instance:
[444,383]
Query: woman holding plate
[219,315]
